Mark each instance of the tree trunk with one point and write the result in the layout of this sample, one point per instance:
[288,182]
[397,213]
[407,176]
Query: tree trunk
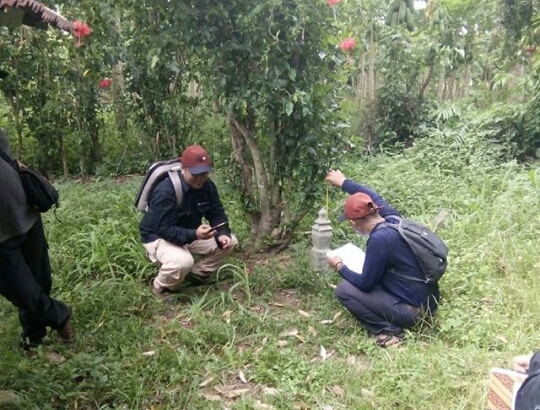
[268,217]
[63,155]
[372,65]
[442,83]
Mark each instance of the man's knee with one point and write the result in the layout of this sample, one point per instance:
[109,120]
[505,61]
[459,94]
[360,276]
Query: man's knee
[344,290]
[178,261]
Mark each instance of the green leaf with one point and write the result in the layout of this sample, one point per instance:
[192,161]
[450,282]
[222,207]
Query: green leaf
[292,74]
[155,59]
[289,108]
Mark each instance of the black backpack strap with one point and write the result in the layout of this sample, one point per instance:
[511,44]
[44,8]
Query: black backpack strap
[6,157]
[397,274]
[177,184]
[394,271]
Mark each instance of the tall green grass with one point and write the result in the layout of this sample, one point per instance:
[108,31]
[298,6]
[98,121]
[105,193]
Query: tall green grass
[264,322]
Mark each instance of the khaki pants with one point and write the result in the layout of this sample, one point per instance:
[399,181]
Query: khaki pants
[177,261]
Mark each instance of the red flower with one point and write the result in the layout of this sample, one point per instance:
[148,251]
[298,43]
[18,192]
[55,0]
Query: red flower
[332,3]
[105,83]
[80,30]
[348,44]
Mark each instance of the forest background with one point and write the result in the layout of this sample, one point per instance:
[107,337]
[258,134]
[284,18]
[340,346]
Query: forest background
[435,105]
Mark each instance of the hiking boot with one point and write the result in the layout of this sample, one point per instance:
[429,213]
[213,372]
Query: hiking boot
[192,279]
[66,333]
[162,293]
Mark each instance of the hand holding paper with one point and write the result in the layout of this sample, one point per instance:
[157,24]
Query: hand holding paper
[351,256]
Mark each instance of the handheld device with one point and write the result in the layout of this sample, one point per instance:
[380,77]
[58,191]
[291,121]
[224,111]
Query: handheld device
[218,226]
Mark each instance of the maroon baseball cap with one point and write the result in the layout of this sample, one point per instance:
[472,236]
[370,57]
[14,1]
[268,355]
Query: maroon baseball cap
[196,159]
[358,206]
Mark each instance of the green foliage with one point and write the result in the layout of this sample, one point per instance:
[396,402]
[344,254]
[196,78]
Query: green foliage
[136,352]
[517,16]
[271,72]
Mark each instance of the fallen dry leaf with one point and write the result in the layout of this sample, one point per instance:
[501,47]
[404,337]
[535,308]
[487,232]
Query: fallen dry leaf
[227,316]
[149,353]
[282,343]
[230,394]
[359,363]
[312,331]
[337,316]
[206,382]
[242,377]
[326,322]
[300,405]
[7,396]
[366,393]
[304,313]
[55,358]
[211,397]
[270,391]
[338,391]
[322,353]
[277,304]
[300,338]
[291,332]
[501,338]
[236,393]
[259,405]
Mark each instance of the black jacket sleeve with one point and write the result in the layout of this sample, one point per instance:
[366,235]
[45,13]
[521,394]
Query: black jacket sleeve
[216,213]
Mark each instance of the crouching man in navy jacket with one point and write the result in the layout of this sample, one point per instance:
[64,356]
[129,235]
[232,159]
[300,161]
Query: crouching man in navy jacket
[384,303]
[171,234]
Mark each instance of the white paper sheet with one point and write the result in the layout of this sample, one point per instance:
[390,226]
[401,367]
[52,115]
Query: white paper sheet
[351,255]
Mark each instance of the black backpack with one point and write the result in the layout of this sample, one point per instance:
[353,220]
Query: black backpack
[430,251]
[40,193]
[156,173]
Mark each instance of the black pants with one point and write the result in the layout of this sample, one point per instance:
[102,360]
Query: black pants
[528,396]
[25,280]
[378,311]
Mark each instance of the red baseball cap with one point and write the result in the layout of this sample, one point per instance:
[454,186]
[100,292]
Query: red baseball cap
[358,206]
[196,159]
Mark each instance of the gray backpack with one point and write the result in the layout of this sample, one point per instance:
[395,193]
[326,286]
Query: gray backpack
[157,172]
[430,251]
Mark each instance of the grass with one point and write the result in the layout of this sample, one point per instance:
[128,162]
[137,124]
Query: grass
[271,335]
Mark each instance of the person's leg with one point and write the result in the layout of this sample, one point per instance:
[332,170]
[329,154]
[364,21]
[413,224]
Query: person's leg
[23,289]
[378,311]
[212,256]
[176,262]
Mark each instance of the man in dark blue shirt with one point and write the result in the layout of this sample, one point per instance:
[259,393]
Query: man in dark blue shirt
[384,303]
[172,233]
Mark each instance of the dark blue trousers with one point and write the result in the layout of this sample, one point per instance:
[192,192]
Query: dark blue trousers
[379,311]
[25,280]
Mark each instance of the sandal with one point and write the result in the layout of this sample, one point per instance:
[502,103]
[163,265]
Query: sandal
[390,340]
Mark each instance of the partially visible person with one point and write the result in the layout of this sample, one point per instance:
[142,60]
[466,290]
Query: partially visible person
[383,302]
[528,396]
[172,234]
[25,271]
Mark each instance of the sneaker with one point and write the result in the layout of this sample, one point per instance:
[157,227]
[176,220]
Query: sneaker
[192,279]
[66,333]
